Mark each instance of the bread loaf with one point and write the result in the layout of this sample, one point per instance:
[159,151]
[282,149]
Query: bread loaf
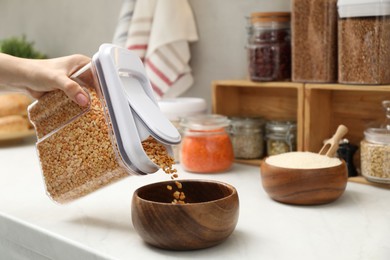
[14,104]
[13,123]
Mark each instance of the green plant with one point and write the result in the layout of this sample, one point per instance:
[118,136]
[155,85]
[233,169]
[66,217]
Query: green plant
[20,47]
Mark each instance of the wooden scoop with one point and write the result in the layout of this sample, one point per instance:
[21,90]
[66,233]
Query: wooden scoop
[331,145]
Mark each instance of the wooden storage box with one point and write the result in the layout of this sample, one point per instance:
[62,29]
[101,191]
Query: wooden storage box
[328,105]
[317,108]
[271,100]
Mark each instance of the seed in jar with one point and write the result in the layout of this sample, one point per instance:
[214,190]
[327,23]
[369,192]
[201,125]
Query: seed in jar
[169,187]
[72,160]
[314,40]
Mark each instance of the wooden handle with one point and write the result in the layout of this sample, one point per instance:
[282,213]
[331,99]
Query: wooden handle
[340,132]
[333,142]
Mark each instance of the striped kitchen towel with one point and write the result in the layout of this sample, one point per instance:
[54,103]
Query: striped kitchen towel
[160,32]
[124,21]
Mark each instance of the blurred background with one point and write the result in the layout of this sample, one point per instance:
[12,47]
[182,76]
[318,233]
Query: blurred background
[64,27]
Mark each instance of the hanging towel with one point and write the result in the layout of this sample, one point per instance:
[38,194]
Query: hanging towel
[124,21]
[160,32]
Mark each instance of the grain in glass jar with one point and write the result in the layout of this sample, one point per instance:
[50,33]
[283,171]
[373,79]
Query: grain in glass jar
[314,40]
[206,146]
[247,137]
[176,109]
[269,46]
[364,41]
[375,151]
[280,137]
[120,133]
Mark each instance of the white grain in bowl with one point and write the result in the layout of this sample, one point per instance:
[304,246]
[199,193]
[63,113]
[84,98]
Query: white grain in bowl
[302,160]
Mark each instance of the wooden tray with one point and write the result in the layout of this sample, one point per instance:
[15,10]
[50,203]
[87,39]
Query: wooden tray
[362,180]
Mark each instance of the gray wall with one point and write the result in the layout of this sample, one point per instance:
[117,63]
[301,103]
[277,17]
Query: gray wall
[63,27]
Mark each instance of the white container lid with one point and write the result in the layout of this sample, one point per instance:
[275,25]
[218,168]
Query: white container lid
[176,108]
[363,8]
[131,106]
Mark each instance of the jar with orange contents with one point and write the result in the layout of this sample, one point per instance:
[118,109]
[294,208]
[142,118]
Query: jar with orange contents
[206,146]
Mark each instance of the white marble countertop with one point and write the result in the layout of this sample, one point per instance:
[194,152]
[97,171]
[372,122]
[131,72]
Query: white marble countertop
[32,226]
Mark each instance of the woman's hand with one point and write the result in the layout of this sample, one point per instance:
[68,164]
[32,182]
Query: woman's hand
[36,77]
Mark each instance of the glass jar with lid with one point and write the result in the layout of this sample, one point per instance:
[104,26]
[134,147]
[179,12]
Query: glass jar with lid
[83,149]
[375,151]
[206,146]
[363,40]
[178,108]
[281,136]
[314,40]
[247,137]
[269,47]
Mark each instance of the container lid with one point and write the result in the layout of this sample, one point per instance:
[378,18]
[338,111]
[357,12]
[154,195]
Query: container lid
[176,108]
[205,122]
[131,106]
[247,122]
[281,126]
[261,17]
[377,135]
[363,8]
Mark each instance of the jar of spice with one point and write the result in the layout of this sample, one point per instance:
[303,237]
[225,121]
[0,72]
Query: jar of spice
[206,146]
[314,40]
[281,137]
[364,32]
[177,108]
[269,47]
[375,151]
[247,137]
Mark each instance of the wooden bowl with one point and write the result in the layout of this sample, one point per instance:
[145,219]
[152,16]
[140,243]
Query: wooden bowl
[304,186]
[209,216]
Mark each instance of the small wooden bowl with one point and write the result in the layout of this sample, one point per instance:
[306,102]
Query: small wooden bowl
[209,216]
[304,186]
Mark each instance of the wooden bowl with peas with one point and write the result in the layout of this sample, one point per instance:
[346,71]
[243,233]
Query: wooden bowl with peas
[203,214]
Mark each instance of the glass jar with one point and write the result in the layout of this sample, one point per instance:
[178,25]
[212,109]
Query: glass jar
[206,146]
[375,151]
[281,137]
[363,40]
[175,109]
[269,47]
[314,40]
[247,138]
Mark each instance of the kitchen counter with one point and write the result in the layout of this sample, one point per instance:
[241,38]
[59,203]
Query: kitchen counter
[32,226]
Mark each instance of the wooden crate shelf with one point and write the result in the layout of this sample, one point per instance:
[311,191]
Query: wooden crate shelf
[317,108]
[270,100]
[328,105]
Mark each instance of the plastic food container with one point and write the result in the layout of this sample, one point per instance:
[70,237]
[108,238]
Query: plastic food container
[83,149]
[269,46]
[280,137]
[206,146]
[247,137]
[176,109]
[364,33]
[375,151]
[314,41]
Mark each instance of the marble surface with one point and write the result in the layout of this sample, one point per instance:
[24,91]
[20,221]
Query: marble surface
[32,226]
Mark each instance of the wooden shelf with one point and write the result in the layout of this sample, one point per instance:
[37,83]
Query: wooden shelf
[328,105]
[270,100]
[317,108]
